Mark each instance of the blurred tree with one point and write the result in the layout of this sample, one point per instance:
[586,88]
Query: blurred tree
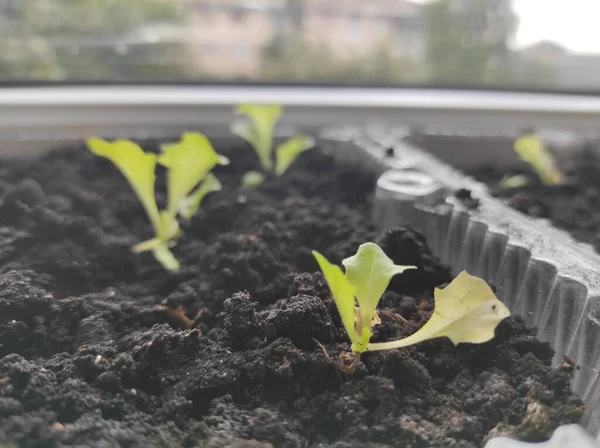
[99,17]
[31,59]
[467,41]
[82,39]
[302,62]
[294,10]
[287,21]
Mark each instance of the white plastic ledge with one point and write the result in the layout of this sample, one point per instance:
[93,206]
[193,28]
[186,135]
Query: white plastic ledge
[97,108]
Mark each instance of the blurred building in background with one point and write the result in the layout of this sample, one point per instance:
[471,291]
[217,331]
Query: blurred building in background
[302,39]
[444,42]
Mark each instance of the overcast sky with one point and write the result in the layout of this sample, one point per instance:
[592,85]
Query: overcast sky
[574,24]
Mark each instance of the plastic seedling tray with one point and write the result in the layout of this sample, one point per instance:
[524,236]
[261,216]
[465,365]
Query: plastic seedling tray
[540,272]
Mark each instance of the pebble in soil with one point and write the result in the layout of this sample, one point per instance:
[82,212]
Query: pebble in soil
[100,347]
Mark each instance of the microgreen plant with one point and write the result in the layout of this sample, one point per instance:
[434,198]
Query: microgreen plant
[188,164]
[258,129]
[465,311]
[532,150]
[515,181]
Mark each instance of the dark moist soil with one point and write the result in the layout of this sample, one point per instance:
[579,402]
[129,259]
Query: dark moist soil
[574,206]
[103,348]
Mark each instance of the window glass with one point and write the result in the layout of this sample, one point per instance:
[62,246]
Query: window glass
[542,44]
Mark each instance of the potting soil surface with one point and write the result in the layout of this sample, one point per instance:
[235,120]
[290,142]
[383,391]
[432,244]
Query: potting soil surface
[100,347]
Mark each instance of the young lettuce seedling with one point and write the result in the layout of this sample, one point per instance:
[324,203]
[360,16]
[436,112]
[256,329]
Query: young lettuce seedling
[532,150]
[138,167]
[516,181]
[258,130]
[188,163]
[465,311]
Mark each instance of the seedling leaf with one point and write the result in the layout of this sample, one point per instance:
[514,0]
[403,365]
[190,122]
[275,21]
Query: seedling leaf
[188,161]
[252,179]
[159,246]
[165,257]
[370,272]
[161,252]
[147,245]
[516,181]
[190,205]
[138,168]
[532,150]
[289,150]
[243,128]
[258,130]
[465,311]
[343,295]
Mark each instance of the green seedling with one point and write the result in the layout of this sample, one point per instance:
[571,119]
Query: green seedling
[138,167]
[190,205]
[465,311]
[258,130]
[188,163]
[516,181]
[532,150]
[252,179]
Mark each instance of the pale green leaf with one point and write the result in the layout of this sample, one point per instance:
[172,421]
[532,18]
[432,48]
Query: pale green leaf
[533,151]
[170,226]
[160,246]
[188,162]
[138,168]
[465,311]
[252,179]
[170,231]
[289,150]
[160,251]
[190,205]
[165,257]
[245,129]
[259,130]
[343,295]
[147,245]
[370,272]
[516,181]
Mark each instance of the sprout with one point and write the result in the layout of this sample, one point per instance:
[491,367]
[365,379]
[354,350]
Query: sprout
[516,181]
[532,150]
[289,150]
[368,274]
[188,162]
[138,168]
[190,205]
[258,130]
[465,311]
[252,179]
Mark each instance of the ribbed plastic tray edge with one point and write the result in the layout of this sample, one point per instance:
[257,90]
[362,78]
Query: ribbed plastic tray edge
[541,272]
